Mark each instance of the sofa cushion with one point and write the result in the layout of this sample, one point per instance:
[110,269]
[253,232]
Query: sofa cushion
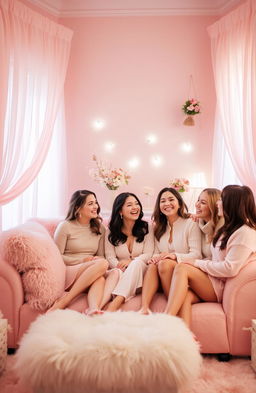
[32,251]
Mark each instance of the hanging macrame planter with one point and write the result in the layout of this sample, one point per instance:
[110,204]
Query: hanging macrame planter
[191,106]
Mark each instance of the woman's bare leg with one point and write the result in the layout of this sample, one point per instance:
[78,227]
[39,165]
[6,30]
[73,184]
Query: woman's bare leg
[116,303]
[149,288]
[165,270]
[95,295]
[185,310]
[110,283]
[83,281]
[185,276]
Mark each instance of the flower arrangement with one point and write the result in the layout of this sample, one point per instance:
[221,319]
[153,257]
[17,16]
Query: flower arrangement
[191,107]
[112,178]
[180,184]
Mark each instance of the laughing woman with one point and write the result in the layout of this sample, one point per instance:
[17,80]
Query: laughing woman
[233,246]
[80,239]
[177,238]
[207,217]
[129,243]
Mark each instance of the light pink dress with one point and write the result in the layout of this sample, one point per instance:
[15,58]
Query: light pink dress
[240,250]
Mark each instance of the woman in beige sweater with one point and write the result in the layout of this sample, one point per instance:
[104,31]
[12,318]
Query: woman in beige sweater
[80,239]
[177,238]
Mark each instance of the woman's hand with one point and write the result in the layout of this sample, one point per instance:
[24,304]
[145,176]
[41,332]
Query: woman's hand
[154,260]
[194,217]
[170,256]
[122,265]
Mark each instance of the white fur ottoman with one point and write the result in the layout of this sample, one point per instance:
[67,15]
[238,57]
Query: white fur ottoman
[123,352]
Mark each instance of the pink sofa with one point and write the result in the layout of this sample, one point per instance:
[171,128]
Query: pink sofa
[218,327]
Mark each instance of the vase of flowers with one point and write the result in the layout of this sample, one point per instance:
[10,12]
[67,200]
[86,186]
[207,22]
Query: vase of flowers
[191,108]
[180,184]
[107,176]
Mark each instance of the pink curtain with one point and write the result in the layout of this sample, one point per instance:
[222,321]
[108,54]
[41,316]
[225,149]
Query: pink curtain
[233,42]
[34,53]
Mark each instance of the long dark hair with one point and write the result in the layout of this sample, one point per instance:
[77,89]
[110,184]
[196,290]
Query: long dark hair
[116,235]
[76,202]
[159,219]
[239,209]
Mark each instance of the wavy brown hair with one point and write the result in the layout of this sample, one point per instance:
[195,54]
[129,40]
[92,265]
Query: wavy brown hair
[238,209]
[77,200]
[159,219]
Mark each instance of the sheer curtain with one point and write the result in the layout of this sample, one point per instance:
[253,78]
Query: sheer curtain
[233,43]
[34,54]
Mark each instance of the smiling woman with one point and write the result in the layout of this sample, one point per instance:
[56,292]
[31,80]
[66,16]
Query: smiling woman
[80,239]
[129,244]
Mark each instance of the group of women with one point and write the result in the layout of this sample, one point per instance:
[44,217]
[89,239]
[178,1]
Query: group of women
[186,256]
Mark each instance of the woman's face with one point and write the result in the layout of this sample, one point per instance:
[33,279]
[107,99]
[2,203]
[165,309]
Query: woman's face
[169,204]
[219,207]
[130,209]
[89,208]
[202,207]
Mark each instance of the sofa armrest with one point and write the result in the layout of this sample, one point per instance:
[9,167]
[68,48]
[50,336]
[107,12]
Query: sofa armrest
[240,307]
[11,299]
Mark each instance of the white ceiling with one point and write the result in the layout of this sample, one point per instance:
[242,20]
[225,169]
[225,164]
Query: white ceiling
[78,8]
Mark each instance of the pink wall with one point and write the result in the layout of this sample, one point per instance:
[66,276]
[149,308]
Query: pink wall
[133,72]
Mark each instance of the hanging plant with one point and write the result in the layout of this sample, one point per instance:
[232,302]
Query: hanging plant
[191,108]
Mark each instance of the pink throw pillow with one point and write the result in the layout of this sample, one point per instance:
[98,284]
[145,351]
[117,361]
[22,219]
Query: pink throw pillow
[32,251]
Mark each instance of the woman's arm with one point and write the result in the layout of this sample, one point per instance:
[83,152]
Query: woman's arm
[110,252]
[61,237]
[101,248]
[148,247]
[235,259]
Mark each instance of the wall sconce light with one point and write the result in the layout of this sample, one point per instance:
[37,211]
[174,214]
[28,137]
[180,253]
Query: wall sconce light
[151,139]
[156,160]
[134,162]
[186,147]
[98,124]
[109,146]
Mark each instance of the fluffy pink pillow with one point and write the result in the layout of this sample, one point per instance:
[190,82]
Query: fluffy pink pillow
[32,251]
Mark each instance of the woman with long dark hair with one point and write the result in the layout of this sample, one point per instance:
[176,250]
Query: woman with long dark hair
[80,239]
[129,243]
[177,238]
[233,246]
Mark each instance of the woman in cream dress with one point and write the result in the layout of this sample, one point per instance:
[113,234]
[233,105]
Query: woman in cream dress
[80,239]
[177,238]
[233,246]
[129,243]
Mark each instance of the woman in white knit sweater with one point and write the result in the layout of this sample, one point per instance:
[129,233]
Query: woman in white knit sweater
[177,238]
[129,243]
[207,217]
[233,247]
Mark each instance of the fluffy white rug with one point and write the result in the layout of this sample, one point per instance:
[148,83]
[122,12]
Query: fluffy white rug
[65,351]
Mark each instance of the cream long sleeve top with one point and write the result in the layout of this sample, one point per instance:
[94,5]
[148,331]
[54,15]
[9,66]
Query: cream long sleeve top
[241,248]
[186,240]
[76,241]
[141,252]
